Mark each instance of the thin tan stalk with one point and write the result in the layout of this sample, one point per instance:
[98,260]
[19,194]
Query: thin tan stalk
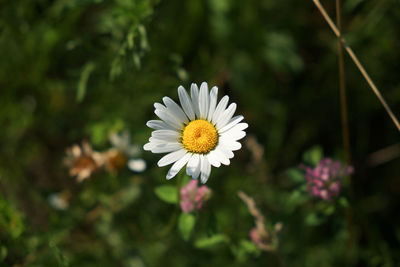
[357,62]
[270,239]
[384,155]
[342,85]
[259,218]
[345,124]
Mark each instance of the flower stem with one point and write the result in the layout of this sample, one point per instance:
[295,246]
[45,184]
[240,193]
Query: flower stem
[345,126]
[174,216]
[342,85]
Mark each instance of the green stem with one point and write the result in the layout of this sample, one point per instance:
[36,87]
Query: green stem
[174,216]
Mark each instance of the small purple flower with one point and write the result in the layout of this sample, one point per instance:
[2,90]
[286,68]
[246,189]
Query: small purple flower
[193,197]
[324,180]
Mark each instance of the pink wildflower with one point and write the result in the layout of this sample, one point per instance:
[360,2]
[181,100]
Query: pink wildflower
[255,236]
[193,197]
[324,180]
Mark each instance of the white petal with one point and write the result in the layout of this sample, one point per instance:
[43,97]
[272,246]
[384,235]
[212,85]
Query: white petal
[225,150]
[203,100]
[240,127]
[194,92]
[222,157]
[196,172]
[120,141]
[186,103]
[137,165]
[161,146]
[125,139]
[213,102]
[191,167]
[175,109]
[157,125]
[205,169]
[152,143]
[114,139]
[167,135]
[157,140]
[226,116]
[170,113]
[171,157]
[231,145]
[148,146]
[213,159]
[178,166]
[220,109]
[235,120]
[233,135]
[167,147]
[163,114]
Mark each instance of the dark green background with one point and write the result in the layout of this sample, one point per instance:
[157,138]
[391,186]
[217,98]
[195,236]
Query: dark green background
[72,70]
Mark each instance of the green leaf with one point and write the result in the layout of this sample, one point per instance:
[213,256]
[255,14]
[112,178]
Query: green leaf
[249,246]
[129,39]
[313,220]
[244,249]
[182,74]
[143,37]
[343,202]
[61,259]
[11,221]
[116,68]
[82,84]
[136,60]
[3,252]
[295,199]
[99,131]
[206,242]
[329,210]
[167,193]
[280,53]
[313,155]
[186,224]
[296,175]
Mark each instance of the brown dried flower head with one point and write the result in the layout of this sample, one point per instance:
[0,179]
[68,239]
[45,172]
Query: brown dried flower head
[82,161]
[121,153]
[114,160]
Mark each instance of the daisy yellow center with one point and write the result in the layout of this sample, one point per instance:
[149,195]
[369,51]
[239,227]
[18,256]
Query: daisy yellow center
[199,136]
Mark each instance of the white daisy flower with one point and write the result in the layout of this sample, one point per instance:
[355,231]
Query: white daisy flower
[122,142]
[60,201]
[201,134]
[122,154]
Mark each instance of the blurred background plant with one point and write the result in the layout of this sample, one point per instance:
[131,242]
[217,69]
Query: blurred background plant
[84,69]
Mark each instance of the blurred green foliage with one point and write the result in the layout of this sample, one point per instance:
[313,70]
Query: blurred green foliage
[80,69]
